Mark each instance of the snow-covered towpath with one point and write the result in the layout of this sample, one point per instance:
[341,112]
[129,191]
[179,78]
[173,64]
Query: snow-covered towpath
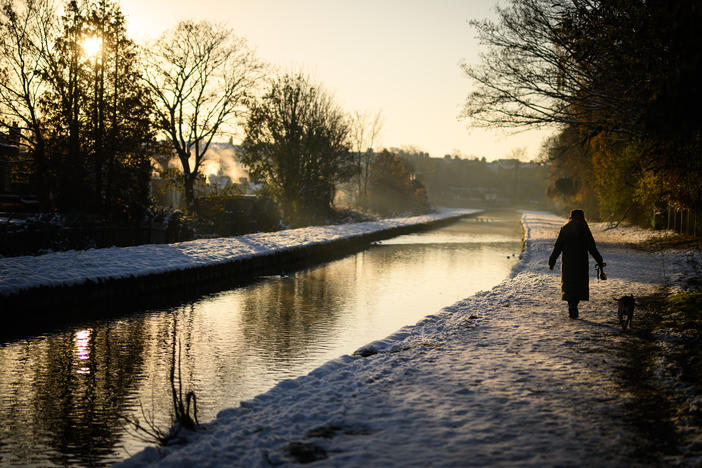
[76,267]
[501,378]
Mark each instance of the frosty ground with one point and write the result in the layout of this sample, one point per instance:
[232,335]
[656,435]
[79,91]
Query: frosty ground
[500,378]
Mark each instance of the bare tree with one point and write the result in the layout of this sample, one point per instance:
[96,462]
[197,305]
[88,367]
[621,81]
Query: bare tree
[554,62]
[27,29]
[519,153]
[620,76]
[364,131]
[201,76]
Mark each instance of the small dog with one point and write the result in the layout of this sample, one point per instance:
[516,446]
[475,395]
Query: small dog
[625,311]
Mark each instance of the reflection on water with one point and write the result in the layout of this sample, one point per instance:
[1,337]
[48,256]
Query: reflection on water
[82,340]
[64,396]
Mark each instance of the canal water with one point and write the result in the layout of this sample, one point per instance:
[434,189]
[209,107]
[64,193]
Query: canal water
[66,397]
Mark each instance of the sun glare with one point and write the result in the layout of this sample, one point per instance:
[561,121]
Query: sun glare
[92,45]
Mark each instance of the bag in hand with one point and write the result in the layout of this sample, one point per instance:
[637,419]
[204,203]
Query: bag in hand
[600,271]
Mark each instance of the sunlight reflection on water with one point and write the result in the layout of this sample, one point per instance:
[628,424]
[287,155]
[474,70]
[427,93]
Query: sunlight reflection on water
[82,340]
[236,343]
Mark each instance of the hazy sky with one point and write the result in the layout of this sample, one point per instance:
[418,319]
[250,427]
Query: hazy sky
[398,56]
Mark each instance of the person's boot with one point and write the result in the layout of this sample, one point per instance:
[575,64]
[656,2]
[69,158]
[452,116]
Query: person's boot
[573,310]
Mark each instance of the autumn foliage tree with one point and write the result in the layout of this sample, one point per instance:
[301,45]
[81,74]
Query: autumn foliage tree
[391,191]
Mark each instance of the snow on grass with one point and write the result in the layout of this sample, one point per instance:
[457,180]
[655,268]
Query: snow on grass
[77,266]
[500,378]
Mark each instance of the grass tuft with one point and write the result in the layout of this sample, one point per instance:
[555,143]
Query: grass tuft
[184,414]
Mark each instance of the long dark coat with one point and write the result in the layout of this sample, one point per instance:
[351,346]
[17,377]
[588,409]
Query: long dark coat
[575,241]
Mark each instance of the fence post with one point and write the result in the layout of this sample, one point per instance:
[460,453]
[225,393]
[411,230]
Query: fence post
[675,220]
[683,222]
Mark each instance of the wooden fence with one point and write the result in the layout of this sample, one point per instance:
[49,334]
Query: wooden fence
[683,221]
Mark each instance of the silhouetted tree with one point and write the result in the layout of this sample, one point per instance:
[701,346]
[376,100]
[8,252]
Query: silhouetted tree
[365,129]
[201,76]
[297,143]
[121,128]
[64,107]
[616,75]
[26,31]
[85,113]
[98,113]
[563,62]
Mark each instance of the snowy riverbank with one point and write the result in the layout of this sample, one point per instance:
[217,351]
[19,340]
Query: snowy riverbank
[77,267]
[501,378]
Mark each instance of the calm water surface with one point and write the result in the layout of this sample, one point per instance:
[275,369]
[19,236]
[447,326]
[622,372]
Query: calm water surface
[64,395]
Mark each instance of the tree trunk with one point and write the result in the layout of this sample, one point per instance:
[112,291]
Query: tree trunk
[189,187]
[41,165]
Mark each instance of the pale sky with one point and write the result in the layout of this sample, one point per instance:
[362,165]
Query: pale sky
[398,56]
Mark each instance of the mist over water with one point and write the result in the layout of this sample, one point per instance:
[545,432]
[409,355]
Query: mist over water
[225,162]
[220,159]
[64,395]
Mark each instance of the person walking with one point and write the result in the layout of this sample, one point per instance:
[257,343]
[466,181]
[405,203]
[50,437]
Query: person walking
[575,241]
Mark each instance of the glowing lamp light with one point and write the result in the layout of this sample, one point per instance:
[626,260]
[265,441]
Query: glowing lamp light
[92,45]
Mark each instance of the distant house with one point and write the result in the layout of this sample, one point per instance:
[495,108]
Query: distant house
[504,164]
[220,182]
[222,173]
[511,164]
